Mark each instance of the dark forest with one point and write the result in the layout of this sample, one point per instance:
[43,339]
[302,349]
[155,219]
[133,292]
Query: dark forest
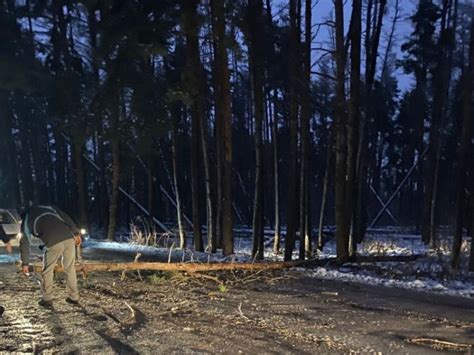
[201,116]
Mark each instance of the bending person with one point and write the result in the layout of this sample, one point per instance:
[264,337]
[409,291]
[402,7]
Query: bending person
[60,235]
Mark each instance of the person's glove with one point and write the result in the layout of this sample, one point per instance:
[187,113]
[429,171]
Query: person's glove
[77,240]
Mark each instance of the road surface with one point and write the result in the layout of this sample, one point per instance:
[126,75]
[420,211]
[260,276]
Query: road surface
[268,312]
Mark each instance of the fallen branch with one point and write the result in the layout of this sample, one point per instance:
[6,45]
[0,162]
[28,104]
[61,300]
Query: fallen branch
[239,308]
[138,271]
[132,313]
[207,277]
[441,344]
[186,267]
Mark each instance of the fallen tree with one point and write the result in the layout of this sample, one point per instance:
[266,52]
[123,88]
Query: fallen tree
[186,267]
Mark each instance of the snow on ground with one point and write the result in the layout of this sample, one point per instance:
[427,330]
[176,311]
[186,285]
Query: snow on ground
[430,271]
[455,286]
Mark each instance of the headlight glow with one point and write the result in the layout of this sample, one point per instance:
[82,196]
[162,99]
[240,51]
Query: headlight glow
[83,231]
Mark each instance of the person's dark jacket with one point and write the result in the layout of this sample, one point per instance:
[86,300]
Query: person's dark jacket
[49,223]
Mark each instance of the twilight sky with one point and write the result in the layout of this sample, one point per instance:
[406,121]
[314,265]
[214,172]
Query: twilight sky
[324,10]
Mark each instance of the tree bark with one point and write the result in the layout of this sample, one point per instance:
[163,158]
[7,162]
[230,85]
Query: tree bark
[353,117]
[274,135]
[115,150]
[441,87]
[101,188]
[323,208]
[176,113]
[305,240]
[115,147]
[186,267]
[255,16]
[342,230]
[225,114]
[80,184]
[293,50]
[150,186]
[276,181]
[372,39]
[9,187]
[195,83]
[462,157]
[211,237]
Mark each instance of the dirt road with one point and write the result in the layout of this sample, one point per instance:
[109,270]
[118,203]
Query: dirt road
[283,312]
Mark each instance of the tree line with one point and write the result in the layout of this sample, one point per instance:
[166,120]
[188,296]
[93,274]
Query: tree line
[208,114]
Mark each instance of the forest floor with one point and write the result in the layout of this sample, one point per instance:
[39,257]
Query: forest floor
[266,312]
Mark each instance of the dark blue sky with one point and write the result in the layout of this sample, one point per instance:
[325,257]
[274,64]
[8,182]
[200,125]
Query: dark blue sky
[324,9]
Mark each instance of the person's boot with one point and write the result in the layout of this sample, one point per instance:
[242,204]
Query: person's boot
[71,301]
[46,304]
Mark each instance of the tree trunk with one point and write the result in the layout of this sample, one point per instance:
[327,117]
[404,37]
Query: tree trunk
[219,161]
[115,150]
[372,40]
[176,113]
[195,83]
[293,51]
[274,135]
[189,268]
[323,208]
[195,191]
[305,120]
[27,184]
[470,211]
[353,114]
[60,166]
[211,237]
[9,187]
[342,230]
[441,87]
[80,184]
[150,183]
[255,12]
[225,115]
[115,147]
[101,189]
[276,178]
[463,150]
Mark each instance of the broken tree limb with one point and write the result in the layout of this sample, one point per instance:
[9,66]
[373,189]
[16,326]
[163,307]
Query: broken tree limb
[186,267]
[385,206]
[382,203]
[163,190]
[441,344]
[145,211]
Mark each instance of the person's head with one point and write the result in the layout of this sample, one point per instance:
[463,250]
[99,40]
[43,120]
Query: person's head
[23,209]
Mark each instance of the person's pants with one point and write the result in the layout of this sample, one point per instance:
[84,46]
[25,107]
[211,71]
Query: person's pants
[66,249]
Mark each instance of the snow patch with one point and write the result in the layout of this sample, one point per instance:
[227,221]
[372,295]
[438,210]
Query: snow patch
[451,287]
